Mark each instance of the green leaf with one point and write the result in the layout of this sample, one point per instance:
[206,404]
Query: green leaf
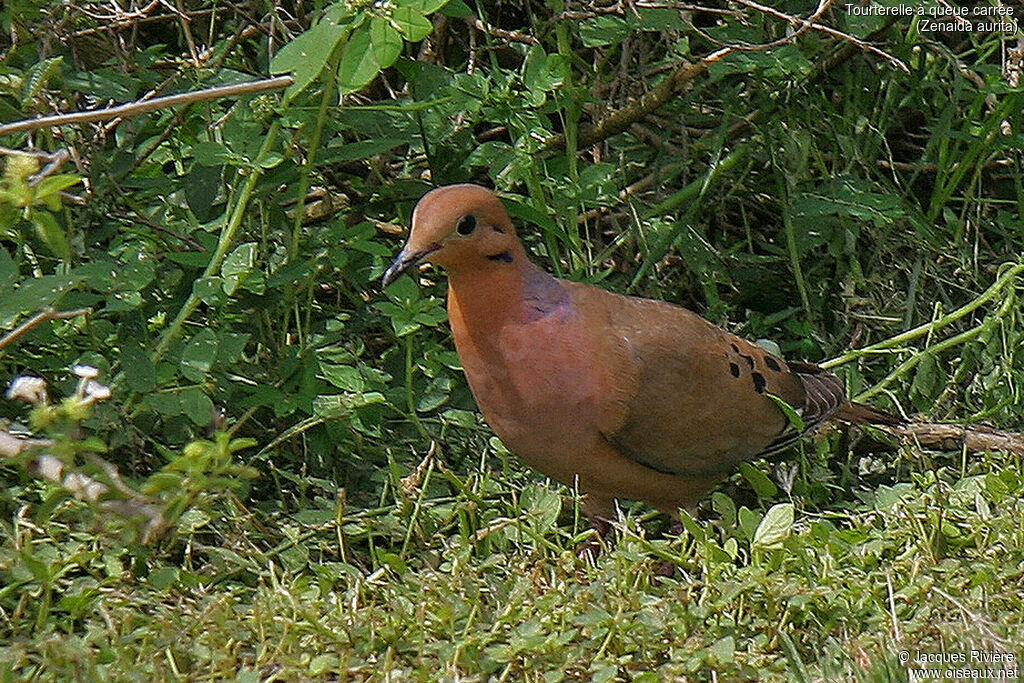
[358,65]
[38,77]
[411,23]
[165,403]
[202,185]
[8,271]
[360,150]
[543,505]
[139,371]
[212,154]
[306,56]
[323,664]
[775,527]
[197,406]
[435,395]
[929,379]
[52,234]
[427,7]
[759,481]
[385,42]
[56,183]
[209,290]
[457,9]
[660,19]
[163,578]
[603,31]
[345,377]
[789,411]
[748,522]
[199,355]
[723,651]
[237,266]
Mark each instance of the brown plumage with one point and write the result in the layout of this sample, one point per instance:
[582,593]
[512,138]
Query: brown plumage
[624,397]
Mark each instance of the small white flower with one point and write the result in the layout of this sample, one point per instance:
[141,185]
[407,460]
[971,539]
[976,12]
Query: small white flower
[96,391]
[29,389]
[49,467]
[86,371]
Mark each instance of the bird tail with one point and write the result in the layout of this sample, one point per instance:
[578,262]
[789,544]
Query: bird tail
[858,413]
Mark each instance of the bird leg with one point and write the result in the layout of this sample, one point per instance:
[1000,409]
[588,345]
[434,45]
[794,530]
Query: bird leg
[599,513]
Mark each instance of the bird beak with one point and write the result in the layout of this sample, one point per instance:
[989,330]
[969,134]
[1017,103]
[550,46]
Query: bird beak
[405,260]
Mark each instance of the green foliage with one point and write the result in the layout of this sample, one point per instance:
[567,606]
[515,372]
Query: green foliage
[229,252]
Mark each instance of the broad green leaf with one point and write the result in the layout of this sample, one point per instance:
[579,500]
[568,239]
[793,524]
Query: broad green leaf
[435,395]
[775,527]
[359,150]
[660,19]
[748,522]
[602,31]
[139,371]
[385,42]
[52,234]
[358,65]
[759,481]
[163,578]
[306,56]
[457,9]
[427,7]
[199,355]
[202,185]
[209,290]
[237,265]
[789,411]
[723,651]
[928,380]
[212,154]
[411,23]
[345,377]
[323,664]
[197,406]
[56,183]
[8,272]
[543,505]
[165,403]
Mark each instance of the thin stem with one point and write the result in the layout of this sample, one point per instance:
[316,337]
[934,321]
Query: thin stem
[227,237]
[410,398]
[921,330]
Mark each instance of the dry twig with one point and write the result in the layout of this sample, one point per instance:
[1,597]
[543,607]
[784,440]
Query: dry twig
[136,108]
[39,318]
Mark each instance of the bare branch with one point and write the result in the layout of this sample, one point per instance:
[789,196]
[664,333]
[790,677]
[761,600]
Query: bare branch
[620,120]
[39,318]
[136,108]
[974,438]
[804,24]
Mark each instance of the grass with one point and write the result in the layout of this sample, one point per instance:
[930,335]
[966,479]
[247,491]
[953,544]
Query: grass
[490,584]
[807,193]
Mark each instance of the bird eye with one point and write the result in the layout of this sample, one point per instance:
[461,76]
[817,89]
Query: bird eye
[466,224]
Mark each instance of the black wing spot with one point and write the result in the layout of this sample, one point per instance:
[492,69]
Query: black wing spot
[749,359]
[759,382]
[735,349]
[772,363]
[497,229]
[734,369]
[504,257]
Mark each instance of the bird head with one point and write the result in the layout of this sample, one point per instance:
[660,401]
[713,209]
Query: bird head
[457,226]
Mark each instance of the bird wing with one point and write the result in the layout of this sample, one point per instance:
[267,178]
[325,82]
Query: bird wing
[687,397]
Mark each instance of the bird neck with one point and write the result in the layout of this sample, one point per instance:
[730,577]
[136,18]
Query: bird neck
[496,291]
